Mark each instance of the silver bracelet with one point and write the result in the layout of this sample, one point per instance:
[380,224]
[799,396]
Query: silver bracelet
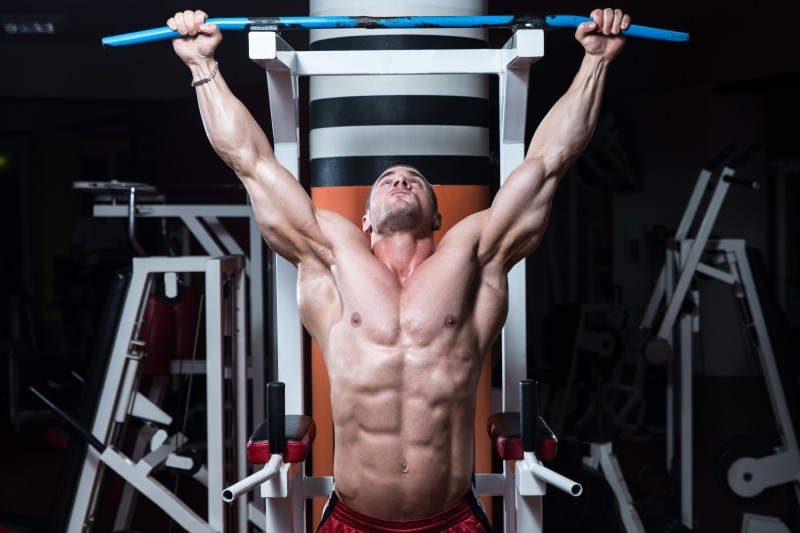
[208,78]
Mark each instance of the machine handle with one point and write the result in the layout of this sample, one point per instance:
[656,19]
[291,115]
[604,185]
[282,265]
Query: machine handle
[253,480]
[743,182]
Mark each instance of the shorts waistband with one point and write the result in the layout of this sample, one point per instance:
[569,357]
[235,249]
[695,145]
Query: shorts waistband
[442,520]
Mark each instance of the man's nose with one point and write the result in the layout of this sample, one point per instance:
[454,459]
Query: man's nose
[401,181]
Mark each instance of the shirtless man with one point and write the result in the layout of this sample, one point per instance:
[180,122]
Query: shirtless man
[403,328]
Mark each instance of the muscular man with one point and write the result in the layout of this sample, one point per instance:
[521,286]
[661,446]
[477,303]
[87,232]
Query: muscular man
[403,327]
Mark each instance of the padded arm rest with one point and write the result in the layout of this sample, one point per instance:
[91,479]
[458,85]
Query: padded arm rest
[300,434]
[506,437]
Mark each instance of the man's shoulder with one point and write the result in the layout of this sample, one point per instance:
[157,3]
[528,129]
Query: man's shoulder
[332,221]
[466,230]
[339,230]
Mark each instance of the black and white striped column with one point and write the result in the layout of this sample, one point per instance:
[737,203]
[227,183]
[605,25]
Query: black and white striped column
[361,125]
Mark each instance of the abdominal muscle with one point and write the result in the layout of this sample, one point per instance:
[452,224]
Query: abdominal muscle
[404,428]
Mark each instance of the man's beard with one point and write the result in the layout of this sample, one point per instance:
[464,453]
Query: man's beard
[399,219]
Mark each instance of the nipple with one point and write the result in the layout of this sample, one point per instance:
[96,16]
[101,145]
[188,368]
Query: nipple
[449,321]
[355,320]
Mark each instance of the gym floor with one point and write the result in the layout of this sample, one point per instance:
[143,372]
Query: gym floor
[31,460]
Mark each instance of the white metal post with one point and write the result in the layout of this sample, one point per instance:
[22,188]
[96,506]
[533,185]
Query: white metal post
[287,366]
[686,417]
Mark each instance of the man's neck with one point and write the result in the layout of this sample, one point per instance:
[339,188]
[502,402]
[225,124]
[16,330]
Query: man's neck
[402,253]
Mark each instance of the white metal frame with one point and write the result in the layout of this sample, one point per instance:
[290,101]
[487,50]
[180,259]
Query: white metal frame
[601,457]
[203,221]
[726,261]
[119,398]
[283,67]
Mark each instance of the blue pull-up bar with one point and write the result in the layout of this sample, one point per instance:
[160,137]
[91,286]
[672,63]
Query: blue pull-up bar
[314,23]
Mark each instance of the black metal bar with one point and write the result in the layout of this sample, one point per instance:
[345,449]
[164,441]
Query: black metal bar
[528,413]
[276,417]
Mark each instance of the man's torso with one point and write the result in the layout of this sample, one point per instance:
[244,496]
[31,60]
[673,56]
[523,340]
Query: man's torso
[404,361]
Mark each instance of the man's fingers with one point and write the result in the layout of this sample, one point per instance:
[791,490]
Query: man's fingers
[608,21]
[616,25]
[178,24]
[199,18]
[189,23]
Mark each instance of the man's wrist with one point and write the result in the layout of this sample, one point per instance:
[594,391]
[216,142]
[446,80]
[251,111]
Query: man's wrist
[600,59]
[202,68]
[208,78]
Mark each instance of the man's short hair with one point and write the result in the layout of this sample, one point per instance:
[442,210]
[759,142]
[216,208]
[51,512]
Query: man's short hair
[431,192]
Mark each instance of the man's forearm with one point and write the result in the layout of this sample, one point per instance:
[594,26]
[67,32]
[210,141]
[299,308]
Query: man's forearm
[567,128]
[231,129]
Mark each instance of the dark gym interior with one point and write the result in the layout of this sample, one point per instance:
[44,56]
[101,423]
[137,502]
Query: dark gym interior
[73,111]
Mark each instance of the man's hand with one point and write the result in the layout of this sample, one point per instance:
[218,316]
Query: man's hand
[602,36]
[198,40]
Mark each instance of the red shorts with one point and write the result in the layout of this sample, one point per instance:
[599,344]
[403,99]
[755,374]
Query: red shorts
[467,516]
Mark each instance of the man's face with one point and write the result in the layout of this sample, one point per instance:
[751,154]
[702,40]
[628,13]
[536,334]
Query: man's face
[401,200]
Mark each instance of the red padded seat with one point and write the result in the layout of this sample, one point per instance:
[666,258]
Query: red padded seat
[300,434]
[506,437]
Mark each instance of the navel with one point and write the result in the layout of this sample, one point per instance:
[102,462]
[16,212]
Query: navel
[450,321]
[404,466]
[355,320]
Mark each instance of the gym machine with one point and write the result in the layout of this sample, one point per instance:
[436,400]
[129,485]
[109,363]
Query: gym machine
[668,339]
[225,367]
[288,486]
[511,64]
[120,400]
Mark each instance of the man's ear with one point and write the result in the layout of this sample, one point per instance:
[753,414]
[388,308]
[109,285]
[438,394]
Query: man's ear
[437,222]
[366,226]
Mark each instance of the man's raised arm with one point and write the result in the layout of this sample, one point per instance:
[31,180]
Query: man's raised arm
[282,208]
[518,215]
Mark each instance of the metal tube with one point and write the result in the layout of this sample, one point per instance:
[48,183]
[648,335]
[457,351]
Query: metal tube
[74,424]
[344,22]
[254,480]
[551,477]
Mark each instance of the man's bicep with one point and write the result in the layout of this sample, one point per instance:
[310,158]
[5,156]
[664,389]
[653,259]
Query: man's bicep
[518,215]
[284,212]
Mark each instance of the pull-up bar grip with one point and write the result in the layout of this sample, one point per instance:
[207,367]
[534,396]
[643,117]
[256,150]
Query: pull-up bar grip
[643,32]
[344,22]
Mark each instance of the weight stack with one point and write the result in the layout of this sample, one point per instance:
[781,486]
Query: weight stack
[361,125]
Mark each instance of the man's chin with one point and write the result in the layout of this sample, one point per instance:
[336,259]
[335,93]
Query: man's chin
[399,223]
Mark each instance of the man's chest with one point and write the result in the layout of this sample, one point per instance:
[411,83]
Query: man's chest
[434,301]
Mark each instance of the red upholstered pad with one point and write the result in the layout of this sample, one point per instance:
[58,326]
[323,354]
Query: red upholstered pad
[300,433]
[505,434]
